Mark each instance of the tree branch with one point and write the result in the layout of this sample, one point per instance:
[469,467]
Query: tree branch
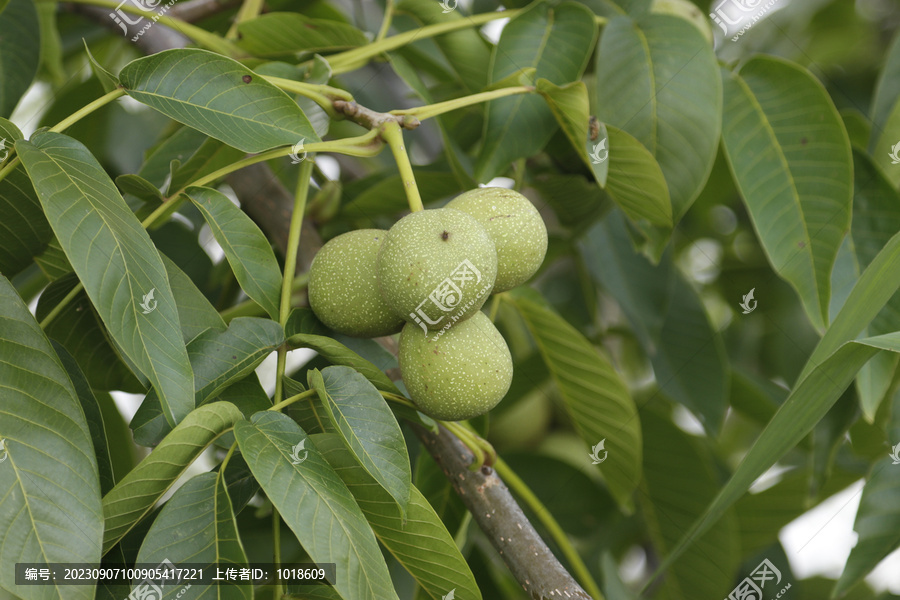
[501,519]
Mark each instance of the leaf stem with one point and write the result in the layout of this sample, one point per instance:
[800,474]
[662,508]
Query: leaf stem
[292,399]
[68,122]
[88,109]
[290,262]
[249,10]
[62,305]
[386,22]
[556,532]
[495,305]
[398,399]
[321,94]
[227,458]
[432,110]
[351,59]
[199,35]
[393,135]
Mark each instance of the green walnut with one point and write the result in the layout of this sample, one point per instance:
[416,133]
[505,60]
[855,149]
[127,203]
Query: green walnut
[515,226]
[343,286]
[436,266]
[457,373]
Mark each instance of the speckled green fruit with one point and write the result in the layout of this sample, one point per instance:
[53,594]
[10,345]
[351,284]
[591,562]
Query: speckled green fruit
[437,265]
[456,374]
[516,227]
[343,286]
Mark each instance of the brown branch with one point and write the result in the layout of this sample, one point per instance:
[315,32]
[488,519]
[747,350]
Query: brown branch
[197,10]
[499,516]
[156,39]
[371,119]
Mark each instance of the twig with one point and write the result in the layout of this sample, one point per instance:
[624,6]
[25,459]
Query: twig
[501,519]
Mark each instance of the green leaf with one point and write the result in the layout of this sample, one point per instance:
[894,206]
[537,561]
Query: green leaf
[335,352]
[636,182]
[438,491]
[667,317]
[557,42]
[107,79]
[49,485]
[211,537]
[51,44]
[246,248]
[885,146]
[93,416]
[178,147]
[140,188]
[887,90]
[281,33]
[52,261]
[95,227]
[419,542]
[808,403]
[79,330]
[212,93]
[138,492]
[315,504]
[20,51]
[387,197]
[679,481]
[195,313]
[570,106]
[368,427]
[791,160]
[876,217]
[218,359]
[23,228]
[594,395]
[309,412]
[657,78]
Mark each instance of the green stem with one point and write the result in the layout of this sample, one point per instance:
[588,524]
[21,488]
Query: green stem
[276,542]
[249,10]
[556,532]
[432,110]
[467,438]
[68,122]
[321,94]
[393,135]
[351,59]
[386,22]
[225,460]
[495,305]
[88,109]
[59,307]
[250,308]
[292,399]
[398,399]
[202,37]
[290,262]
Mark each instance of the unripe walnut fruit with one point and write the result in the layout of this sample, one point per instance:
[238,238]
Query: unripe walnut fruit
[436,266]
[343,286]
[456,374]
[515,226]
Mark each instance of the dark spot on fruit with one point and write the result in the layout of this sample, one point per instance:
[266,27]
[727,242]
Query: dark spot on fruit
[445,236]
[247,78]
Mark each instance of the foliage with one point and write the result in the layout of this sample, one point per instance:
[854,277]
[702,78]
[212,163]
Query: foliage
[724,217]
